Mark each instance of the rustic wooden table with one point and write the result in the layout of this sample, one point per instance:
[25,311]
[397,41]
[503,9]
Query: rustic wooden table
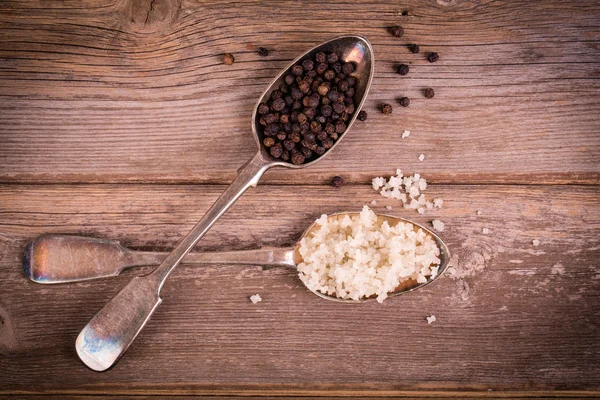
[119,120]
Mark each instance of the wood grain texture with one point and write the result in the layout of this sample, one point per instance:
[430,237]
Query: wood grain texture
[513,316]
[135,91]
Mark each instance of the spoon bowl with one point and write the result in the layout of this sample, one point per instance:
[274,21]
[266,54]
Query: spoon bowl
[351,48]
[404,287]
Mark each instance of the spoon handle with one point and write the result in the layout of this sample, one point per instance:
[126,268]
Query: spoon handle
[109,333]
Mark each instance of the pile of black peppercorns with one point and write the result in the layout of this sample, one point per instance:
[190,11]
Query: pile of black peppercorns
[310,110]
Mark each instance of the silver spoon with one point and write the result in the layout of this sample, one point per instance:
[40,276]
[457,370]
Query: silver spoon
[51,259]
[111,331]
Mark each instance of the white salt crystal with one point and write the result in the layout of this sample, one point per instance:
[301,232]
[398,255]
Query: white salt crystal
[429,205]
[255,298]
[535,242]
[485,231]
[420,210]
[478,212]
[421,157]
[438,203]
[378,183]
[405,134]
[431,319]
[438,225]
[373,202]
[389,208]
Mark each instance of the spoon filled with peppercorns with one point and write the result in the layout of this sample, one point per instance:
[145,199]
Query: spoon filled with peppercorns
[303,115]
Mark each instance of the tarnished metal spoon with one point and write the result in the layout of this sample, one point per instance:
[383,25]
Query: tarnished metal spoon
[109,333]
[53,259]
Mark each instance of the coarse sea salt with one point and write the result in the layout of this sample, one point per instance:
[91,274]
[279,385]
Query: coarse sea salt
[360,256]
[407,189]
[255,298]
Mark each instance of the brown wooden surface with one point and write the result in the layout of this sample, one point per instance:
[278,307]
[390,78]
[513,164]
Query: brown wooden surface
[110,110]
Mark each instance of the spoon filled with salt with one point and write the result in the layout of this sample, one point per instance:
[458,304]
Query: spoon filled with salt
[392,245]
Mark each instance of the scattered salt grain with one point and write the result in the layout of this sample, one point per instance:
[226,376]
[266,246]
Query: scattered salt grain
[255,298]
[407,189]
[438,225]
[421,157]
[535,242]
[373,202]
[405,134]
[420,210]
[354,257]
[478,212]
[431,319]
[485,231]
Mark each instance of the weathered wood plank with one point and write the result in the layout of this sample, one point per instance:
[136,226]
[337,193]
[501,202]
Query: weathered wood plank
[125,92]
[513,316]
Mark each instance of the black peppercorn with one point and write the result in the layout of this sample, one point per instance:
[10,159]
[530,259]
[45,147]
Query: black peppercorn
[297,159]
[414,48]
[348,68]
[278,105]
[326,110]
[404,101]
[329,128]
[433,57]
[337,181]
[396,31]
[228,58]
[269,118]
[315,126]
[297,70]
[320,150]
[402,69]
[339,107]
[263,109]
[429,93]
[307,152]
[276,150]
[295,136]
[285,156]
[263,52]
[289,79]
[362,115]
[386,108]
[329,75]
[268,141]
[351,81]
[308,64]
[322,135]
[337,67]
[323,89]
[321,68]
[288,144]
[332,58]
[340,127]
[328,143]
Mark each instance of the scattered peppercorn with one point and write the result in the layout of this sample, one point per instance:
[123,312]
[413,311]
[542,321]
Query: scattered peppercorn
[402,69]
[404,101]
[386,108]
[337,181]
[228,58]
[263,52]
[362,115]
[397,31]
[414,48]
[433,57]
[310,109]
[429,93]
